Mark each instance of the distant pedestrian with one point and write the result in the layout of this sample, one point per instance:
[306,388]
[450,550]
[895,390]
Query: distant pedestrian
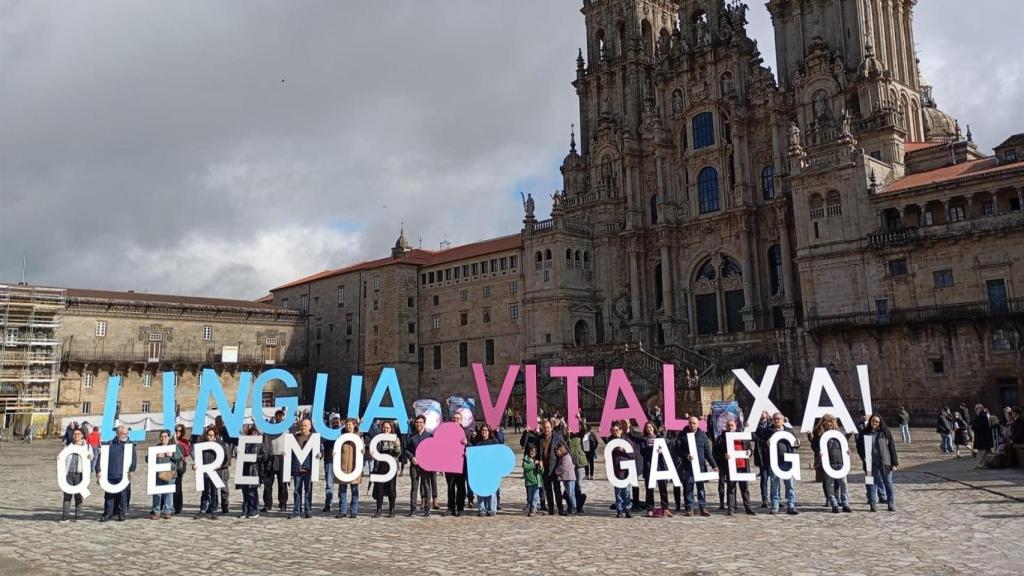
[904,424]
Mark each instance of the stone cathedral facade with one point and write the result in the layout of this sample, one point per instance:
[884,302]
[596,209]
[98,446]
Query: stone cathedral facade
[716,215]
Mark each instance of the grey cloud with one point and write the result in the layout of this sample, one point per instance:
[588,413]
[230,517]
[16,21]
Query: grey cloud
[153,145]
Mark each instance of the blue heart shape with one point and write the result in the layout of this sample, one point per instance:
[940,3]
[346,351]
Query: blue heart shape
[487,465]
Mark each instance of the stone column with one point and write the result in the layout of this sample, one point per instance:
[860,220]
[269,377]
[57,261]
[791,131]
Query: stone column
[627,177]
[945,209]
[634,282]
[1020,197]
[666,278]
[787,255]
[747,265]
[970,206]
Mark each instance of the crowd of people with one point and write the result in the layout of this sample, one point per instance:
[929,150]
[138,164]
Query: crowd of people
[556,463]
[997,442]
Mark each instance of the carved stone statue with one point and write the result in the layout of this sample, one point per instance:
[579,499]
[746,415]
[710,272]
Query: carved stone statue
[794,136]
[677,101]
[703,32]
[528,205]
[845,125]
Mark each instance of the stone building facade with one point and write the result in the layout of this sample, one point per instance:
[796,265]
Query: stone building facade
[713,216]
[140,336]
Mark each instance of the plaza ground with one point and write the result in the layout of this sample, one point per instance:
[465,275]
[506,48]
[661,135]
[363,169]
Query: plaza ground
[951,520]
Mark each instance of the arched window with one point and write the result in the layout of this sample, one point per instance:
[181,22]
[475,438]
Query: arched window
[621,39]
[703,130]
[538,259]
[705,290]
[602,46]
[568,258]
[647,34]
[817,207]
[547,254]
[586,260]
[768,182]
[655,201]
[775,269]
[731,268]
[833,204]
[581,333]
[707,190]
[579,262]
[822,107]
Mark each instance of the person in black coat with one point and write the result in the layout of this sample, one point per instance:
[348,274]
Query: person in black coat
[982,428]
[884,460]
[722,456]
[651,435]
[705,459]
[944,428]
[761,459]
[548,458]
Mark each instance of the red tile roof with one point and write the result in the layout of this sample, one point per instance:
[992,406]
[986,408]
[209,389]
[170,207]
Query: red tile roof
[492,246]
[911,147]
[78,293]
[419,257]
[957,172]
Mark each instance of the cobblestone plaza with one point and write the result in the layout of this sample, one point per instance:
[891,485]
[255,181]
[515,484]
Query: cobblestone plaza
[951,519]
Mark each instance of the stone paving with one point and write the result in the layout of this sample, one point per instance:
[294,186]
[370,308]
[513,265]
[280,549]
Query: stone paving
[951,520]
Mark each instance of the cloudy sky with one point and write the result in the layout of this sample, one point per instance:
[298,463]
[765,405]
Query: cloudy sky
[222,148]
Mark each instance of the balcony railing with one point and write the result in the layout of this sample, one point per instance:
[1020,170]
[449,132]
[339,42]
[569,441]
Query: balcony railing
[894,238]
[980,225]
[195,357]
[919,315]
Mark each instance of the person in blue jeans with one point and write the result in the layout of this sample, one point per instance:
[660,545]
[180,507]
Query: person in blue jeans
[302,474]
[348,507]
[532,479]
[163,504]
[326,449]
[884,460]
[209,501]
[765,430]
[693,491]
[623,496]
[566,473]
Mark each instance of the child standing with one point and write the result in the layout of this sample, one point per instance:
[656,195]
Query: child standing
[566,473]
[531,475]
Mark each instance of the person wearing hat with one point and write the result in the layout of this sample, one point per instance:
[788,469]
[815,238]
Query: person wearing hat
[327,449]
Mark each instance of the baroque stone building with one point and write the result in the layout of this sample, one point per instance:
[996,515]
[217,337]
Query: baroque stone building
[714,216]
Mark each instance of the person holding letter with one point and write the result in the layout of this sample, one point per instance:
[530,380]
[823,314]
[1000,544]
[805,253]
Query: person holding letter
[884,460]
[116,502]
[704,459]
[724,454]
[779,477]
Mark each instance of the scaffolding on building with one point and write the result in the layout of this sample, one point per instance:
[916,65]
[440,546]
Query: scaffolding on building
[31,319]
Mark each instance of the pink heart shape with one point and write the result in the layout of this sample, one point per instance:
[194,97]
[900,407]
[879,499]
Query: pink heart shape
[444,451]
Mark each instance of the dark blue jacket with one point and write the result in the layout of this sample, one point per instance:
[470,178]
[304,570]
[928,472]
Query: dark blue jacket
[115,464]
[413,441]
[705,456]
[305,464]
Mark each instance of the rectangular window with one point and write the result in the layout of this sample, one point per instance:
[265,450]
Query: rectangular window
[475,269]
[547,275]
[487,315]
[988,208]
[154,349]
[938,367]
[513,287]
[376,304]
[284,302]
[494,265]
[431,277]
[147,380]
[436,300]
[411,303]
[513,311]
[513,262]
[316,301]
[503,263]
[463,318]
[423,279]
[898,267]
[86,407]
[458,272]
[145,405]
[928,219]
[487,291]
[436,322]
[957,214]
[943,278]
[376,330]
[463,295]
[463,354]
[12,336]
[448,275]
[87,379]
[376,282]
[207,332]
[341,296]
[547,338]
[348,324]
[101,328]
[437,357]
[412,327]
[419,359]
[489,352]
[465,270]
[412,348]
[304,302]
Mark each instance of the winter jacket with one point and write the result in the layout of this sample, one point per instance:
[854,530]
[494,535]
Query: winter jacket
[547,453]
[566,470]
[765,430]
[620,456]
[531,473]
[302,467]
[704,456]
[576,449]
[413,442]
[721,450]
[943,425]
[982,432]
[115,463]
[904,418]
[883,449]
